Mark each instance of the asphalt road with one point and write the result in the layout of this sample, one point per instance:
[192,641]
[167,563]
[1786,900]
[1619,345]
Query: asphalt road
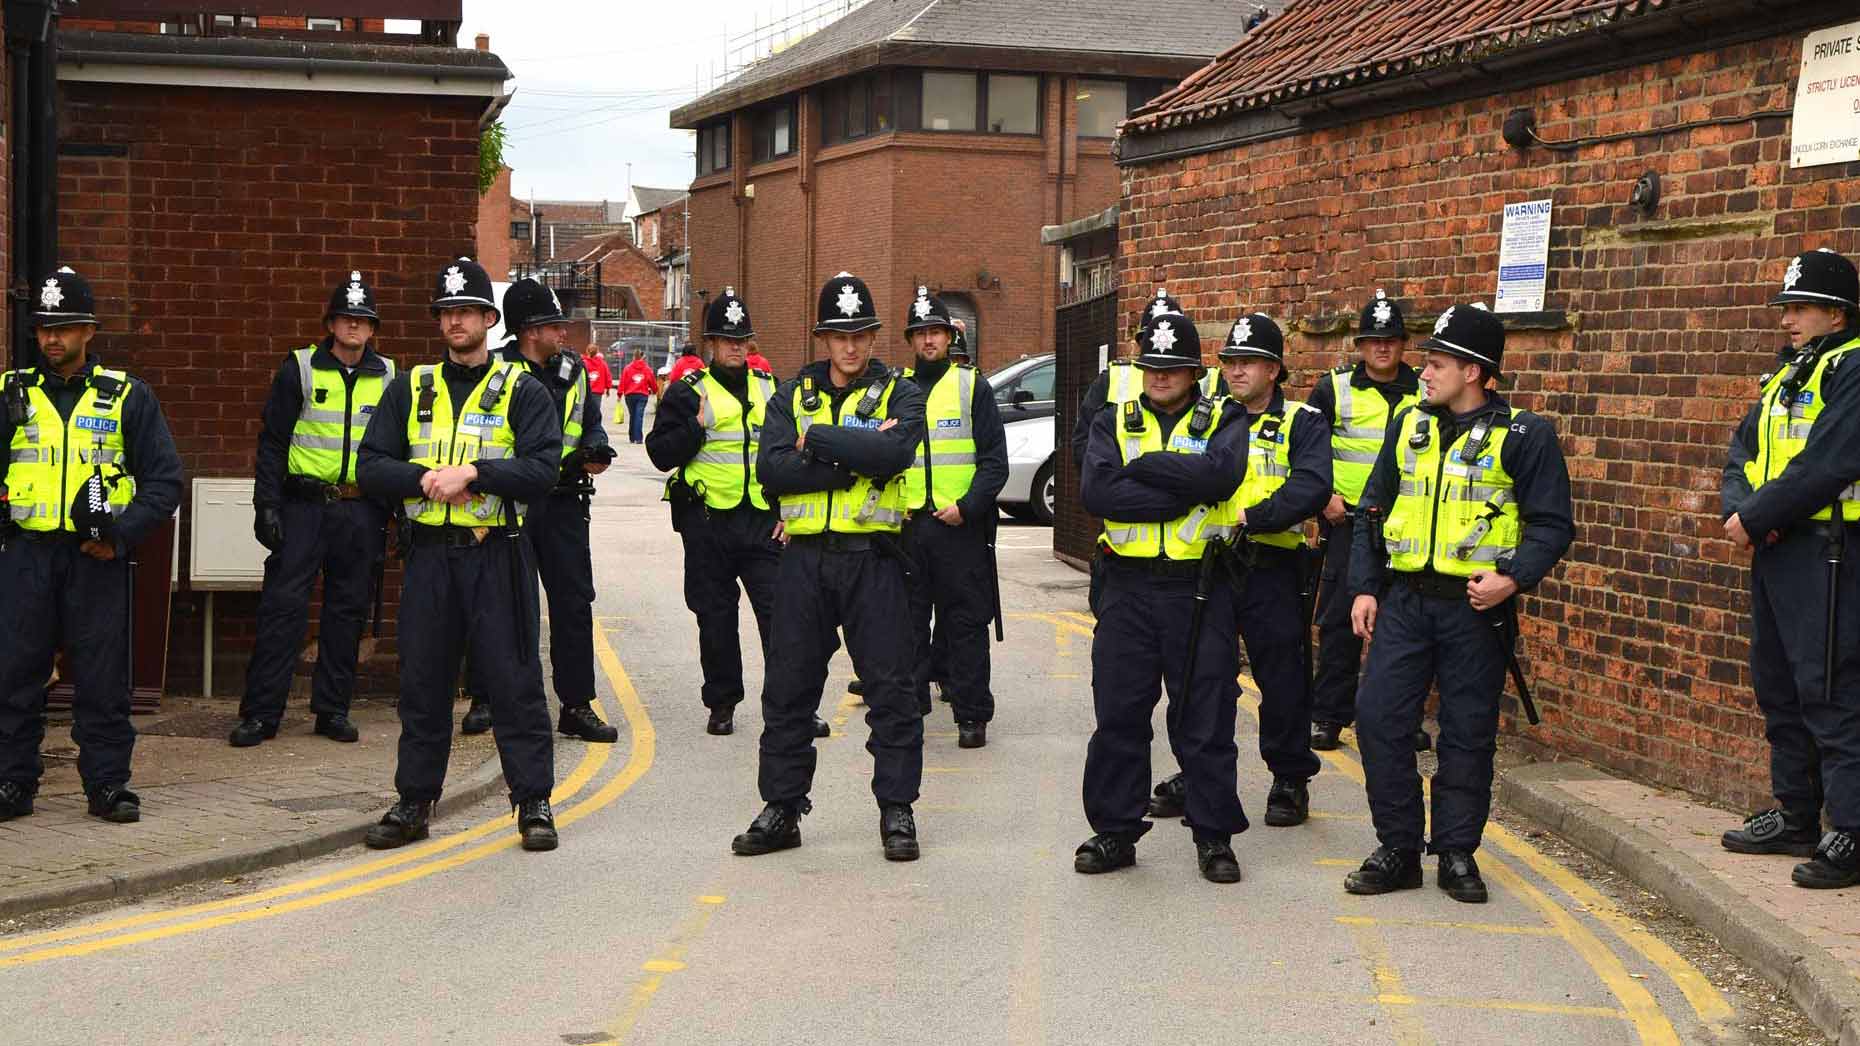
[643,928]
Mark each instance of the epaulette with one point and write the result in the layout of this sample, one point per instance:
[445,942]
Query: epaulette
[693,378]
[1343,368]
[1122,361]
[765,373]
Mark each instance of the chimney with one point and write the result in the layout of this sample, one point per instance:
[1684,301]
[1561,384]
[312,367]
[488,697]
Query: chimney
[483,41]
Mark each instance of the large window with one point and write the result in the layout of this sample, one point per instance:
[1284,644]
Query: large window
[773,130]
[1013,104]
[713,147]
[856,107]
[949,101]
[1103,104]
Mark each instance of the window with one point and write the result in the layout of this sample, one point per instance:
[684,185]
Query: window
[180,28]
[713,147]
[856,107]
[325,25]
[949,101]
[773,128]
[1013,104]
[235,22]
[1102,105]
[520,230]
[1039,381]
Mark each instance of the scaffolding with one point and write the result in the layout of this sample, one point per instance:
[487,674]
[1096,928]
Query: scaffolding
[784,25]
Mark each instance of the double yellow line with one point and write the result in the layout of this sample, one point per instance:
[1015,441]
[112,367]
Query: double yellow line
[370,876]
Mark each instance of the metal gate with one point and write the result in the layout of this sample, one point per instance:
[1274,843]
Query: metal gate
[1084,340]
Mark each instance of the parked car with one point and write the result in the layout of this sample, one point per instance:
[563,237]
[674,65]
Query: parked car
[1024,392]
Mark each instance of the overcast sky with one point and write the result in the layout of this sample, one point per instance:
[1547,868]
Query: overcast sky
[596,81]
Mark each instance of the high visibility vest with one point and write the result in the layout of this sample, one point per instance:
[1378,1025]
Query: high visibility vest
[945,464]
[725,466]
[50,457]
[1125,383]
[1139,432]
[1356,439]
[571,402]
[1452,515]
[328,435]
[1785,429]
[440,434]
[1268,463]
[873,505]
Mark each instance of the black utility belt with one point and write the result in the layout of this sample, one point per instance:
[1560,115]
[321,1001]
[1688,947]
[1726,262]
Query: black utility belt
[1436,586]
[457,537]
[1158,566]
[303,488]
[837,542]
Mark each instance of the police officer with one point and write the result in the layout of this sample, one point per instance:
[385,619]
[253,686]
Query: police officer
[1287,481]
[708,429]
[1160,470]
[1120,382]
[465,445]
[557,527]
[90,471]
[837,441]
[950,491]
[1795,462]
[310,514]
[1357,399]
[1467,506]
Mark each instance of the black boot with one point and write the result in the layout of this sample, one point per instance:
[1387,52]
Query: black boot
[1774,832]
[1104,852]
[15,800]
[250,732]
[1217,861]
[115,804]
[897,829]
[1326,737]
[1422,742]
[1836,864]
[971,735]
[405,822]
[1386,870]
[1171,799]
[822,728]
[857,689]
[722,722]
[580,721]
[1288,802]
[777,827]
[536,822]
[1459,877]
[337,727]
[477,718]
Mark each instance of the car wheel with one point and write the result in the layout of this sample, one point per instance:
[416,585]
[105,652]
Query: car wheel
[1045,493]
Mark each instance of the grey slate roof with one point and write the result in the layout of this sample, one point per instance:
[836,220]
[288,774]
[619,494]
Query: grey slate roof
[651,199]
[1176,29]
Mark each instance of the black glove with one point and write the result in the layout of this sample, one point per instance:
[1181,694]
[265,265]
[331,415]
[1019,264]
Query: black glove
[268,527]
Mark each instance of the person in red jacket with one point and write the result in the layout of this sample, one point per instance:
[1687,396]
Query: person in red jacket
[600,379]
[688,362]
[636,383]
[757,361]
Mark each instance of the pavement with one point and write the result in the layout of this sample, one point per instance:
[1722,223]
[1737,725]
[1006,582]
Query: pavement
[643,928]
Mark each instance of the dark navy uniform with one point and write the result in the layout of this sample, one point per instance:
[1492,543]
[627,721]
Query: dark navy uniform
[60,432]
[470,585]
[1795,459]
[1159,479]
[1461,496]
[314,521]
[719,509]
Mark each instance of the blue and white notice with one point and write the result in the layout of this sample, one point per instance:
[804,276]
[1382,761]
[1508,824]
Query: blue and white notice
[1523,257]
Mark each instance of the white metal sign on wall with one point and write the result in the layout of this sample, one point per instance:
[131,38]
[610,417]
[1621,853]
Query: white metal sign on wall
[1523,257]
[1827,99]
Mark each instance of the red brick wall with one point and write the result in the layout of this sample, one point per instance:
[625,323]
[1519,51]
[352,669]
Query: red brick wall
[493,229]
[626,267]
[1637,641]
[238,211]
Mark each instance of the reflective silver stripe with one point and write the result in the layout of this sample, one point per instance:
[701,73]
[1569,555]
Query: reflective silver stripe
[1271,468]
[800,509]
[1798,429]
[1125,535]
[883,515]
[1404,546]
[304,375]
[33,455]
[1353,457]
[426,450]
[712,457]
[1412,488]
[23,511]
[1192,522]
[1851,493]
[316,442]
[952,457]
[868,509]
[706,414]
[1340,395]
[720,435]
[1360,432]
[1481,527]
[102,456]
[490,452]
[319,416]
[1133,448]
[803,423]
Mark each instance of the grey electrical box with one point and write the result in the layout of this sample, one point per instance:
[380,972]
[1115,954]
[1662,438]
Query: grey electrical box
[223,555]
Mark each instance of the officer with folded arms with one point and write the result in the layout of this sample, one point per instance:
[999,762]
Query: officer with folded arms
[1160,470]
[1357,399]
[1121,381]
[90,471]
[1468,505]
[950,490]
[557,527]
[708,429]
[465,445]
[1287,481]
[837,441]
[309,512]
[1794,463]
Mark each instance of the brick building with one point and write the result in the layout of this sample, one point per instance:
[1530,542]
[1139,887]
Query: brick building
[1328,155]
[215,186]
[927,145]
[543,232]
[625,269]
[658,218]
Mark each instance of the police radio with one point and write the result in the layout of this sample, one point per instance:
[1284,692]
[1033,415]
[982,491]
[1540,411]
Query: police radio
[1421,435]
[16,402]
[868,403]
[1133,417]
[427,395]
[1202,418]
[494,390]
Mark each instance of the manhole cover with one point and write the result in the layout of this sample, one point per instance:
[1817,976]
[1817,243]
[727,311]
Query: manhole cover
[362,801]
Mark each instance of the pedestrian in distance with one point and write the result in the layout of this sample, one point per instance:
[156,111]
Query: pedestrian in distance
[637,385]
